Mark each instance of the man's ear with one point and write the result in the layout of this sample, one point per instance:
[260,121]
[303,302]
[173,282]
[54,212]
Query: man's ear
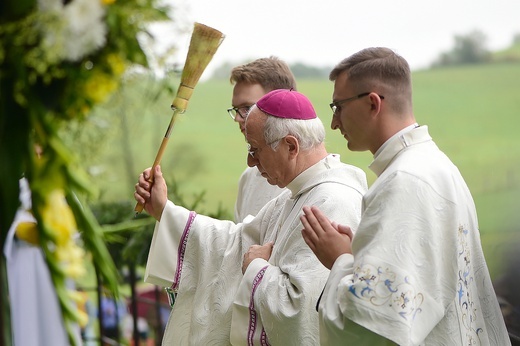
[293,145]
[375,101]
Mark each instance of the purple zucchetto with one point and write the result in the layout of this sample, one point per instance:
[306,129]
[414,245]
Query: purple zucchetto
[288,104]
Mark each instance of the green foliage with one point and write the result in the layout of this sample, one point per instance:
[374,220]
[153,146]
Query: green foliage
[125,231]
[303,71]
[468,49]
[129,238]
[58,59]
[5,334]
[510,55]
[15,9]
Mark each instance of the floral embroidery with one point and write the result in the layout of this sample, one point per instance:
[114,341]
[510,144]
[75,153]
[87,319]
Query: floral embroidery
[382,286]
[466,301]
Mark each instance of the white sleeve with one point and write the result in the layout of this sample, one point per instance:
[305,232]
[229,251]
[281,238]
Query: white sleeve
[163,256]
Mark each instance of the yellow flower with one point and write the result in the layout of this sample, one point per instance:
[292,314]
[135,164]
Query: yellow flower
[71,257]
[58,217]
[117,64]
[107,2]
[28,231]
[74,270]
[70,253]
[82,318]
[80,298]
[99,87]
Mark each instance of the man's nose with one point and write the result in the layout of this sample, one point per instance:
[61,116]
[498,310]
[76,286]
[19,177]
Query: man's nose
[334,123]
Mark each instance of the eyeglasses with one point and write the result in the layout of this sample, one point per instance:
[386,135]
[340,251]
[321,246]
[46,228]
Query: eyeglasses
[335,106]
[252,150]
[241,111]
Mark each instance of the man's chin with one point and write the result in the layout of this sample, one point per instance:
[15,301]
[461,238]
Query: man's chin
[269,180]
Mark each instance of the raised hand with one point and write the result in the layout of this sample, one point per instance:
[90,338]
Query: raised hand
[153,195]
[327,239]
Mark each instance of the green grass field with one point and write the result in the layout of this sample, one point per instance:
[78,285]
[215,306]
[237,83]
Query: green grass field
[473,113]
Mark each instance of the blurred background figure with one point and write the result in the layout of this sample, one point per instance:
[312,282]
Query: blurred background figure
[36,318]
[143,330]
[112,314]
[153,310]
[507,288]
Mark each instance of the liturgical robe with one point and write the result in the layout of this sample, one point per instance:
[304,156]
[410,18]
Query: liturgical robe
[273,301]
[417,275]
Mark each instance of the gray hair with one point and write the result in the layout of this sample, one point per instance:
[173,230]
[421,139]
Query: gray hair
[310,133]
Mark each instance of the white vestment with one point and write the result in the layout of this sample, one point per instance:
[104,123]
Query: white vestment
[417,275]
[35,313]
[253,193]
[274,301]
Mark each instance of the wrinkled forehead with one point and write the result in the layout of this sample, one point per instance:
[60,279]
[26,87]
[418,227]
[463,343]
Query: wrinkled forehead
[255,125]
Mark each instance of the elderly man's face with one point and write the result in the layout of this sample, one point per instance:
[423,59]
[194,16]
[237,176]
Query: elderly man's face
[273,164]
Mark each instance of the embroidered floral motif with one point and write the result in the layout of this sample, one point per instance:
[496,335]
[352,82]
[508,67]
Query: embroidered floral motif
[382,286]
[466,301]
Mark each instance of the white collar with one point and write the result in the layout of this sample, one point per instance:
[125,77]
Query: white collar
[396,144]
[403,131]
[324,164]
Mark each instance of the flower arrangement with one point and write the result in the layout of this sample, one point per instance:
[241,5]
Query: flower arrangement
[58,60]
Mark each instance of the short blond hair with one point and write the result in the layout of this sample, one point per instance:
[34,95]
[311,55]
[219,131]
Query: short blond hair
[271,73]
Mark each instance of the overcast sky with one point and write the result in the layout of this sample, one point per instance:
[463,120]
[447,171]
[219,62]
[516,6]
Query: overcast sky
[323,32]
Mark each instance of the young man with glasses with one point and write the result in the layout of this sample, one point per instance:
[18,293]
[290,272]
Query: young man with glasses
[414,272]
[252,81]
[254,283]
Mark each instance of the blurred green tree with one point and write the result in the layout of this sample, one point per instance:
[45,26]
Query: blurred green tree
[468,49]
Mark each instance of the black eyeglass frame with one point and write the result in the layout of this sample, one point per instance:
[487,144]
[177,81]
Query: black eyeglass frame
[233,111]
[335,105]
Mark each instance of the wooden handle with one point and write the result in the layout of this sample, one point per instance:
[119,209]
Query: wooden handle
[139,207]
[204,43]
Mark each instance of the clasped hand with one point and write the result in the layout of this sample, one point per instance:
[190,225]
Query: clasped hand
[328,240]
